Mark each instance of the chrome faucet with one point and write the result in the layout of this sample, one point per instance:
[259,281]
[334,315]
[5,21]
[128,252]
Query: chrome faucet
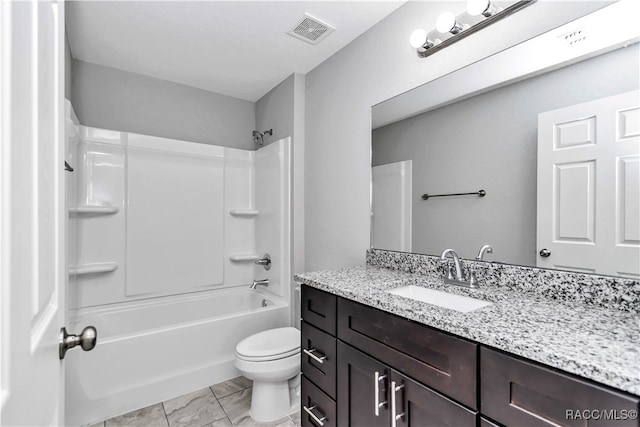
[256,283]
[486,249]
[456,263]
[459,278]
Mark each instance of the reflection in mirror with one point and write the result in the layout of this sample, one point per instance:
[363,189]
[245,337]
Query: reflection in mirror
[556,153]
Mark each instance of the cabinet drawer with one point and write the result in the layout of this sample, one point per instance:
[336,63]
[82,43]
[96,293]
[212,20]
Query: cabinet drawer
[444,363]
[323,346]
[319,404]
[319,309]
[515,392]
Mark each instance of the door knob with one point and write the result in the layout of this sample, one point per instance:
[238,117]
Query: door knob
[544,253]
[87,340]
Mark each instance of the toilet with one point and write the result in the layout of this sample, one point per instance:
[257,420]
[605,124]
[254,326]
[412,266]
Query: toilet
[272,360]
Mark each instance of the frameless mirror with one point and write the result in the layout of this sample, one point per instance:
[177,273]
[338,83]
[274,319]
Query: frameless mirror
[549,130]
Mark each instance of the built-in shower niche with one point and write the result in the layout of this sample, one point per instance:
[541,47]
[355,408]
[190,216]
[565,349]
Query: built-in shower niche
[158,217]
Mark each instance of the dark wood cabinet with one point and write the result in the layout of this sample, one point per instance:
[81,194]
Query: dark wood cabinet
[487,423]
[443,362]
[318,409]
[517,392]
[420,406]
[378,369]
[397,396]
[363,392]
[319,309]
[319,358]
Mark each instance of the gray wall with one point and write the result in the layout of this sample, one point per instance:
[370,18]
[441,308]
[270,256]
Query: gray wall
[114,99]
[275,110]
[282,109]
[378,65]
[490,142]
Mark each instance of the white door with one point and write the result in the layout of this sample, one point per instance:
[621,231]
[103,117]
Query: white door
[32,212]
[391,206]
[589,186]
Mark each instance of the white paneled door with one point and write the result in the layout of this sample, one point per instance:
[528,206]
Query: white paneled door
[589,187]
[32,212]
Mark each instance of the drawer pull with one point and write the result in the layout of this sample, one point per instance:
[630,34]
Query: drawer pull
[394,417]
[311,354]
[376,392]
[309,411]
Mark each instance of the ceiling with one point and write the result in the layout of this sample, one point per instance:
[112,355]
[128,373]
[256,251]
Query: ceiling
[236,48]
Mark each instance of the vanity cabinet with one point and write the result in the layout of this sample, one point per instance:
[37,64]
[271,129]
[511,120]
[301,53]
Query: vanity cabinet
[373,394]
[365,367]
[443,362]
[319,358]
[518,392]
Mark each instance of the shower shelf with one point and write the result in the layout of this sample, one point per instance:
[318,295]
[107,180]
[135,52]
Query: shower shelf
[98,267]
[93,209]
[248,213]
[243,257]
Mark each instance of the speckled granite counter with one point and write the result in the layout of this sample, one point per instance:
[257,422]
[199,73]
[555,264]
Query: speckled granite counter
[601,344]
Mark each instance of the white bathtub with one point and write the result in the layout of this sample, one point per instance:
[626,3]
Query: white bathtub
[154,350]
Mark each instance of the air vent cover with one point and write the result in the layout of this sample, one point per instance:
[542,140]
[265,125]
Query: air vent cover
[310,29]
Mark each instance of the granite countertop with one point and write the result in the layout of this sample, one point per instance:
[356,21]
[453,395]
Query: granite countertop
[592,342]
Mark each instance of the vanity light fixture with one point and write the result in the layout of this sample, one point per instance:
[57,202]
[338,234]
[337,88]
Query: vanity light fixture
[420,39]
[453,28]
[482,7]
[446,23]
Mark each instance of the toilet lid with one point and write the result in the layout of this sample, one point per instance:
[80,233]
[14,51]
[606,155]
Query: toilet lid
[271,344]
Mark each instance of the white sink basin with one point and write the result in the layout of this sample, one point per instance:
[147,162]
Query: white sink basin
[439,298]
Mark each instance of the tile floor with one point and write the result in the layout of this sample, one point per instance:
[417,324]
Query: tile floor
[221,405]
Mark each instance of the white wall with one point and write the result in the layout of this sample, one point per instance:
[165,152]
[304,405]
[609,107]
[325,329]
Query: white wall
[108,98]
[282,109]
[376,66]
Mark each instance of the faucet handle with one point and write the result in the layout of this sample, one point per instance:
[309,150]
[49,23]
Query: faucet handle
[473,280]
[450,274]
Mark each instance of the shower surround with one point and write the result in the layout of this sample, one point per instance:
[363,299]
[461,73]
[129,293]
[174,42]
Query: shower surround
[163,235]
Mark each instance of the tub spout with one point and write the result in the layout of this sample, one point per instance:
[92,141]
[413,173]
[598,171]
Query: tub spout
[256,283]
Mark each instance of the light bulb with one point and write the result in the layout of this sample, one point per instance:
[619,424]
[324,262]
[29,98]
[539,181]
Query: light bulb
[446,23]
[418,38]
[481,7]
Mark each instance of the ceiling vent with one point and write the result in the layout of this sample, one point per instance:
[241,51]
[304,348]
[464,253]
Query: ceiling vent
[310,29]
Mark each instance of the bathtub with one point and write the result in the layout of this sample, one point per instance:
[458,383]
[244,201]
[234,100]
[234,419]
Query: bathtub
[154,350]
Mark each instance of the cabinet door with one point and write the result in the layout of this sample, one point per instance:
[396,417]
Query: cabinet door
[516,392]
[414,405]
[358,400]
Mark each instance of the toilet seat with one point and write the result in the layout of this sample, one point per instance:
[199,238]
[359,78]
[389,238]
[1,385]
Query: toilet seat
[268,345]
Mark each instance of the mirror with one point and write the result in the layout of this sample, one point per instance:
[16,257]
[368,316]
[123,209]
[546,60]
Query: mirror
[487,127]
